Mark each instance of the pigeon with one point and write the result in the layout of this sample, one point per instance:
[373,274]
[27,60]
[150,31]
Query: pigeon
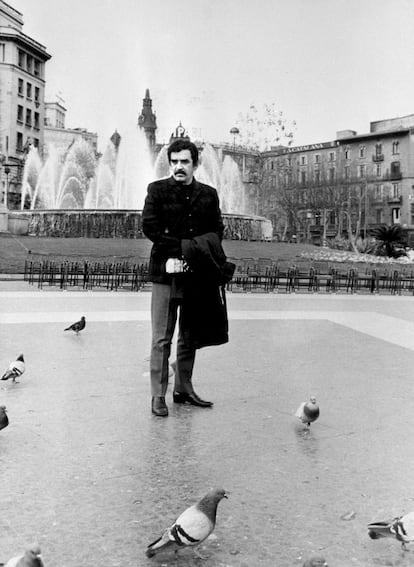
[402,528]
[308,412]
[31,558]
[15,369]
[316,561]
[78,326]
[192,527]
[4,420]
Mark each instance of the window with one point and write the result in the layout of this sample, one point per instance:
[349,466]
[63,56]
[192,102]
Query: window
[378,149]
[395,170]
[412,213]
[378,170]
[332,156]
[19,143]
[317,177]
[29,90]
[362,150]
[29,63]
[396,190]
[331,174]
[362,170]
[271,165]
[302,160]
[2,51]
[20,87]
[317,158]
[37,67]
[289,161]
[60,120]
[36,123]
[303,177]
[20,113]
[28,117]
[380,216]
[21,59]
[347,154]
[396,215]
[37,94]
[346,172]
[396,148]
[36,142]
[379,192]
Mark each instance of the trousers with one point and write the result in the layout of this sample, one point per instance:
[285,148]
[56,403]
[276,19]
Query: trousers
[164,313]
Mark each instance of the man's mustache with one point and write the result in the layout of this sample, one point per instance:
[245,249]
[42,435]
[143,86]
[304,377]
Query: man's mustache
[180,171]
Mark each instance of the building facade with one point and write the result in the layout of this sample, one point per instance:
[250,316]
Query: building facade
[22,110]
[59,137]
[353,183]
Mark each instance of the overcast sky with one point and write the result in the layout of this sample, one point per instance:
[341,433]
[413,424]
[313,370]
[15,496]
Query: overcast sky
[328,64]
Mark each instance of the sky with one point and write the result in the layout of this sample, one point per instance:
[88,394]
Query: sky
[329,65]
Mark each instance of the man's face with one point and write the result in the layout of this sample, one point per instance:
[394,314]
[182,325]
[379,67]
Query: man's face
[181,166]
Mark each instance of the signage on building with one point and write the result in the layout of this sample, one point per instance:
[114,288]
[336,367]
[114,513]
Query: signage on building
[321,146]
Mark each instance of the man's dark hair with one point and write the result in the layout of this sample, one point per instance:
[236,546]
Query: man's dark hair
[179,145]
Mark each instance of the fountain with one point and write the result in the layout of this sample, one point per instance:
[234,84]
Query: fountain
[77,195]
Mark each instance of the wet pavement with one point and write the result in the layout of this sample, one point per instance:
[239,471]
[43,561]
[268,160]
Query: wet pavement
[90,474]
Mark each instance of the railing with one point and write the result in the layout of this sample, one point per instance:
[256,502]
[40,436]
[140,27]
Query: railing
[394,200]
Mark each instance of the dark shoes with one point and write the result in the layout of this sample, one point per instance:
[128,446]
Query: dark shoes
[159,407]
[192,399]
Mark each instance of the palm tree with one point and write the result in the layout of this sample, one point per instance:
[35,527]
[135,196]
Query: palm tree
[390,241]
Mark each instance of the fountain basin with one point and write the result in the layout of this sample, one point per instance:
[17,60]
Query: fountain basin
[98,223]
[18,223]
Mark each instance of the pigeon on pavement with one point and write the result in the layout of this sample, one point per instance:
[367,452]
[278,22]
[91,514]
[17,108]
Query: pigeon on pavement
[192,527]
[316,561]
[4,420]
[15,369]
[78,326]
[402,528]
[308,412]
[31,558]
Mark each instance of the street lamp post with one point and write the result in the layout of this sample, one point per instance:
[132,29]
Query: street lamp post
[234,132]
[7,172]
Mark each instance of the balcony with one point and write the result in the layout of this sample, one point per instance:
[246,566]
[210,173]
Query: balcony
[394,200]
[378,157]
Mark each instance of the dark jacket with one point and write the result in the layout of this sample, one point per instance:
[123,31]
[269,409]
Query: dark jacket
[204,309]
[168,217]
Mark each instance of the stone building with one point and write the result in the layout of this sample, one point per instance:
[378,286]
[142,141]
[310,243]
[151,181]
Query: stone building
[353,183]
[59,137]
[22,110]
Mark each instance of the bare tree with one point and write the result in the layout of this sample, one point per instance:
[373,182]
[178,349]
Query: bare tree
[262,127]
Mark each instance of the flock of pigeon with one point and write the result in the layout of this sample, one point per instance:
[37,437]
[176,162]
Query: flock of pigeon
[196,523]
[32,556]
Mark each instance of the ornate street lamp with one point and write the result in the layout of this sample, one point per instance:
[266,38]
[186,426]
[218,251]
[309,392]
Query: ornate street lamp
[7,169]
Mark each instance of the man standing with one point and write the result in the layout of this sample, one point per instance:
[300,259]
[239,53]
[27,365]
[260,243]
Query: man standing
[177,210]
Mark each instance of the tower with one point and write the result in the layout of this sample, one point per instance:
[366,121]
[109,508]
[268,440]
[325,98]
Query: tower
[147,119]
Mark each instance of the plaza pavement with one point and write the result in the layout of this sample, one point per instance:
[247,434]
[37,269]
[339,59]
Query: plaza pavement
[90,474]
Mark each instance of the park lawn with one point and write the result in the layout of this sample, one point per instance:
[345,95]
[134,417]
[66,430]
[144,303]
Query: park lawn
[14,250]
